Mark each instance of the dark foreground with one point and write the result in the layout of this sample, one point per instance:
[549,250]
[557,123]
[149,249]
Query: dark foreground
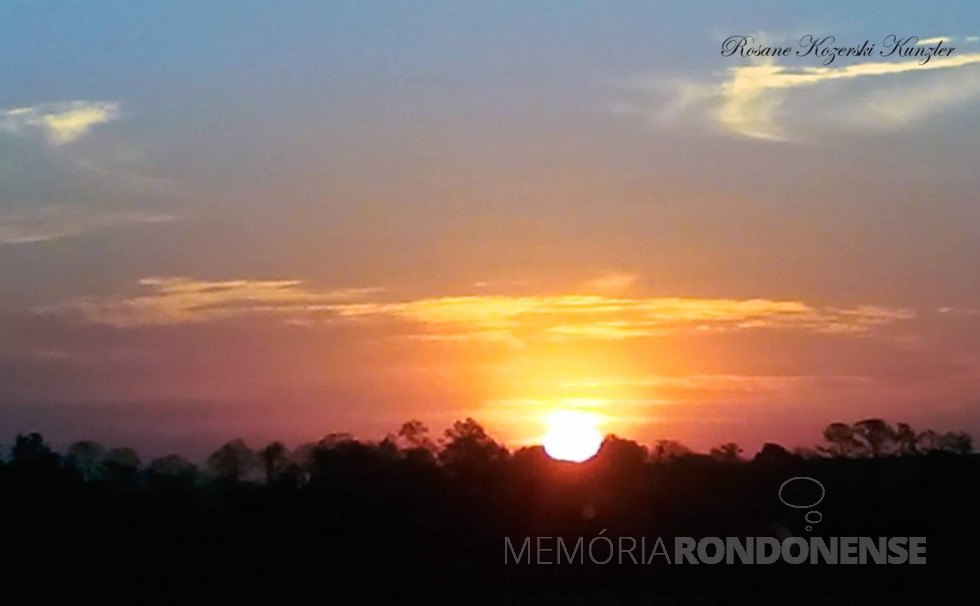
[369,524]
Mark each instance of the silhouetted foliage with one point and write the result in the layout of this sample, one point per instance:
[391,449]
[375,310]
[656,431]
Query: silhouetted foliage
[876,438]
[172,470]
[425,517]
[958,442]
[842,441]
[729,452]
[621,453]
[906,441]
[773,454]
[86,457]
[232,462]
[415,434]
[32,451]
[275,458]
[468,448]
[666,450]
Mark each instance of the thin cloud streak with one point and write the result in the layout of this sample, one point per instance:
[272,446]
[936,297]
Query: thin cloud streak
[180,300]
[59,123]
[935,39]
[56,222]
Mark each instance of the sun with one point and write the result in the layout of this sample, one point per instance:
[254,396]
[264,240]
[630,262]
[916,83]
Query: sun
[572,436]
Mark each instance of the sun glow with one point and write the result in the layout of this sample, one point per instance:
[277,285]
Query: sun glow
[572,436]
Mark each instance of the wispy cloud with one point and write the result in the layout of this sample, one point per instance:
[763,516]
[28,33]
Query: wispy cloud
[934,40]
[179,300]
[610,318]
[59,123]
[959,311]
[486,317]
[56,222]
[771,101]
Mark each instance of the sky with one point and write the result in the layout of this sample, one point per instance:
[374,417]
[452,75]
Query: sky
[282,220]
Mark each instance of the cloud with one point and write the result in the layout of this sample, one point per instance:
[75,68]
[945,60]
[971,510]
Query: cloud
[476,318]
[934,40]
[771,101]
[179,300]
[59,123]
[612,318]
[56,222]
[959,311]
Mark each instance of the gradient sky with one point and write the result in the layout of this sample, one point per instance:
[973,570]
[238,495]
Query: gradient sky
[279,220]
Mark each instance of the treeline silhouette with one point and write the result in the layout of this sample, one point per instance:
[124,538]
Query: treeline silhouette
[420,516]
[465,446]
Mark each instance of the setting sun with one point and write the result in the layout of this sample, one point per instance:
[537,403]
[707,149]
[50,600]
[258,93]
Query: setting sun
[572,436]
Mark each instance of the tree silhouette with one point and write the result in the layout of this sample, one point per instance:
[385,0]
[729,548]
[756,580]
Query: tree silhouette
[841,439]
[123,457]
[622,453]
[32,451]
[232,462]
[468,447]
[332,440]
[121,466]
[414,444]
[414,434]
[927,441]
[773,454]
[173,469]
[729,452]
[86,457]
[906,440]
[957,442]
[274,460]
[877,435]
[666,450]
